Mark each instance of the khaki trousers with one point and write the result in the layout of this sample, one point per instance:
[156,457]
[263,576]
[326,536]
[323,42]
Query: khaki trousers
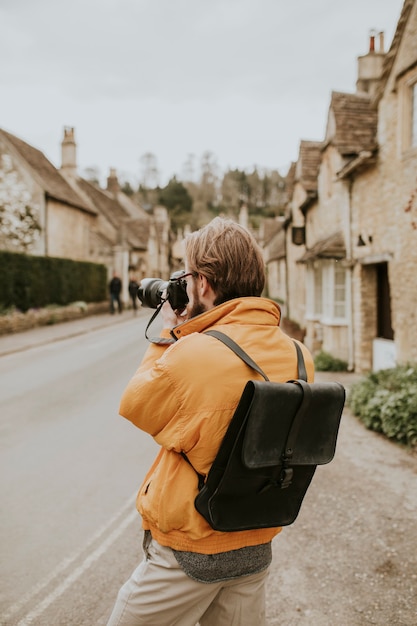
[159,593]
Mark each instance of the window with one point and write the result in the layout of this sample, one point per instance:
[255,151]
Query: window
[327,292]
[339,301]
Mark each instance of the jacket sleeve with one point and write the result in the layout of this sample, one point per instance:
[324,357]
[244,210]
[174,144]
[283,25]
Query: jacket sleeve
[155,351]
[151,399]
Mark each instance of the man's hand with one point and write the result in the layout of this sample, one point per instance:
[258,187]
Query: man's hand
[170,317]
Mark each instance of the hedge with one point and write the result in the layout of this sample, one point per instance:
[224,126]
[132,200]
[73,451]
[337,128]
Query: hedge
[325,362]
[30,282]
[386,402]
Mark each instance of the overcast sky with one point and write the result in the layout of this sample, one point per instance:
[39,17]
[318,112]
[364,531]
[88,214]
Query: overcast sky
[243,79]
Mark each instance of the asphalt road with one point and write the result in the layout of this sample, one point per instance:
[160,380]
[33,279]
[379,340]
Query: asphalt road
[70,469]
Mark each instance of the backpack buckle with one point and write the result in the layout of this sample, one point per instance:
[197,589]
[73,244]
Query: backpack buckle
[285,478]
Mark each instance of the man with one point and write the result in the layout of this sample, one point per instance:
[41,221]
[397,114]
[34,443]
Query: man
[184,395]
[115,288]
[133,292]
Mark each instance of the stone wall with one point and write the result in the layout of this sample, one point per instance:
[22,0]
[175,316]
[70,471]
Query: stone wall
[68,233]
[17,321]
[384,213]
[296,297]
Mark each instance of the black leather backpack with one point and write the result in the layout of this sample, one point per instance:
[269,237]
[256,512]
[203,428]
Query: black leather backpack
[278,435]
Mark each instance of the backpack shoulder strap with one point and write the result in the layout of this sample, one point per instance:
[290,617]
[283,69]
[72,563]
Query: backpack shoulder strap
[302,372]
[237,350]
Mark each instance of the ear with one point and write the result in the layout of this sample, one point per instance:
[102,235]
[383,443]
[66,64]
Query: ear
[205,290]
[202,285]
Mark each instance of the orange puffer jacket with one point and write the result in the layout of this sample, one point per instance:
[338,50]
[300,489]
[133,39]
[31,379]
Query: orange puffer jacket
[184,395]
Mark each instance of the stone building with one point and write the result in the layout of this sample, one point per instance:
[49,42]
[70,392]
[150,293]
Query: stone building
[384,212]
[360,222]
[351,130]
[51,212]
[272,239]
[304,193]
[40,212]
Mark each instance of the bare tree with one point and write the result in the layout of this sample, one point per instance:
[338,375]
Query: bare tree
[149,175]
[188,169]
[209,179]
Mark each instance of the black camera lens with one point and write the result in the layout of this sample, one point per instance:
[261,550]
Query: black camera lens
[151,289]
[150,292]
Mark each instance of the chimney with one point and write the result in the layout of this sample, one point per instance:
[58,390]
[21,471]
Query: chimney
[372,41]
[370,66]
[244,216]
[112,182]
[69,153]
[381,43]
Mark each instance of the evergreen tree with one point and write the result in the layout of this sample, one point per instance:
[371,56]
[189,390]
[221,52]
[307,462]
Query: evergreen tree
[179,203]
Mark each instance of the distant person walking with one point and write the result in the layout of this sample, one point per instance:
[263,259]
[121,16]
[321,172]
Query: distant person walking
[115,288]
[133,292]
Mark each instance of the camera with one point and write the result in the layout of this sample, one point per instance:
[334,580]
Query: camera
[151,289]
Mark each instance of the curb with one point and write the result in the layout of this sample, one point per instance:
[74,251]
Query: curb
[12,343]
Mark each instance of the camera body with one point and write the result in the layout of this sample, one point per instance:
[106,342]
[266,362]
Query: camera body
[151,289]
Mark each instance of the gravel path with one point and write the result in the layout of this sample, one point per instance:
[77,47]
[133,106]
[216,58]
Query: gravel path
[350,558]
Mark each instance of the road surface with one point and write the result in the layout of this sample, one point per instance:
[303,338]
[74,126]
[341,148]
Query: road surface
[70,469]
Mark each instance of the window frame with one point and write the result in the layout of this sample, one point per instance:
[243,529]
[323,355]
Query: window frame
[322,299]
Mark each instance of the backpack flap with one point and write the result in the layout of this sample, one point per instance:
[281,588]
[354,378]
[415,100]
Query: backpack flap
[295,420]
[253,482]
[270,416]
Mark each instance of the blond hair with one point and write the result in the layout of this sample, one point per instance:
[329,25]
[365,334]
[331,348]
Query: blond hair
[229,257]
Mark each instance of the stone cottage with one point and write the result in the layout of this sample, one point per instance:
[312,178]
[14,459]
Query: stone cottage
[51,212]
[360,224]
[128,239]
[303,196]
[384,211]
[40,213]
[351,130]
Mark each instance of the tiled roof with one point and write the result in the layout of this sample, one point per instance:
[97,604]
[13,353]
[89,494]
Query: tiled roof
[273,238]
[105,204]
[53,183]
[392,52]
[276,248]
[307,168]
[355,123]
[332,247]
[139,228]
[134,209]
[270,227]
[116,214]
[102,240]
[289,180]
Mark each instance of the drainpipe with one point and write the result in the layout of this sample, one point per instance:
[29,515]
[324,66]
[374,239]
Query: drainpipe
[287,282]
[46,226]
[349,259]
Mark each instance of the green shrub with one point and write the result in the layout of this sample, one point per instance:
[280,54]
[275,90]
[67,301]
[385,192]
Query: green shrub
[325,362]
[34,282]
[386,402]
